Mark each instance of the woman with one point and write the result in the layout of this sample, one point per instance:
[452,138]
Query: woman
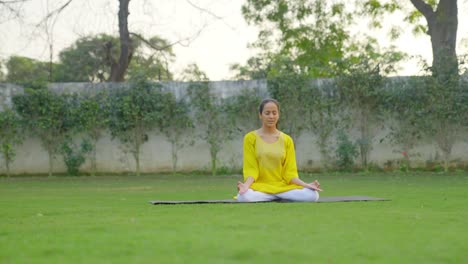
[270,171]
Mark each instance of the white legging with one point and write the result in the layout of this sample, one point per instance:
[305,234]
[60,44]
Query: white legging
[297,195]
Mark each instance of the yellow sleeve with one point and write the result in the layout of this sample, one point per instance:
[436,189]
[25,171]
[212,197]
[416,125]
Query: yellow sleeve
[290,167]
[250,167]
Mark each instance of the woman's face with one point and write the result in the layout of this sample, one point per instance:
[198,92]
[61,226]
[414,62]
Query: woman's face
[270,115]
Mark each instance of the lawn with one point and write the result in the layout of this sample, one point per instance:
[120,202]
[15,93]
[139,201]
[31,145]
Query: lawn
[108,219]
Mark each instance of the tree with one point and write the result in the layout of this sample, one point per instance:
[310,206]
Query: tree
[312,34]
[210,119]
[193,73]
[444,113]
[120,66]
[11,135]
[360,89]
[177,126]
[320,27]
[27,72]
[134,113]
[85,60]
[47,116]
[441,94]
[403,104]
[256,68]
[153,62]
[119,63]
[93,118]
[243,110]
[209,113]
[322,115]
[89,59]
[441,25]
[287,85]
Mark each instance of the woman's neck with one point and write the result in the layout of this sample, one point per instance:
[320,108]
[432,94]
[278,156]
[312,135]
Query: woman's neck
[268,130]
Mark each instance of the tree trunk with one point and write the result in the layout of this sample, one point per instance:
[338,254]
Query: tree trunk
[7,165]
[51,162]
[137,160]
[214,158]
[93,157]
[118,69]
[174,156]
[136,153]
[213,166]
[442,25]
[365,139]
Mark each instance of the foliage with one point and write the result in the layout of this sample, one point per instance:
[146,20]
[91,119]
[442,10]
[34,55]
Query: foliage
[243,110]
[11,135]
[256,68]
[47,116]
[193,73]
[311,33]
[90,58]
[2,71]
[360,91]
[323,116]
[444,113]
[288,88]
[85,60]
[153,62]
[346,152]
[210,119]
[74,155]
[92,119]
[177,126]
[403,109]
[441,24]
[134,113]
[27,72]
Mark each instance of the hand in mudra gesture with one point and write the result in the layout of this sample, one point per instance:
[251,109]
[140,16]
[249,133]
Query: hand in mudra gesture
[242,188]
[315,186]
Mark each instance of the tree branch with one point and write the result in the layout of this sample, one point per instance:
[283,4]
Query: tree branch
[56,11]
[204,10]
[12,7]
[180,42]
[13,2]
[424,8]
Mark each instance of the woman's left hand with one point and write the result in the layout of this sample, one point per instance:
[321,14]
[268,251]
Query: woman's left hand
[314,186]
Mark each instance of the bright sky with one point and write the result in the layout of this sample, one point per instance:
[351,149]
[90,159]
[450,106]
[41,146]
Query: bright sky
[222,39]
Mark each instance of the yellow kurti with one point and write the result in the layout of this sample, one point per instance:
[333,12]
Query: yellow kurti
[272,165]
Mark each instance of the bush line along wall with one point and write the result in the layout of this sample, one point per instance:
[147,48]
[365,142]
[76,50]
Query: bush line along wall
[31,158]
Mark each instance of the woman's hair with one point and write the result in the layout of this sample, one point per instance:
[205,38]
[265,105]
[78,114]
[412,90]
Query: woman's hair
[266,101]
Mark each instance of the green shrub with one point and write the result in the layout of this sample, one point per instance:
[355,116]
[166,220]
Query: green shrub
[74,156]
[346,152]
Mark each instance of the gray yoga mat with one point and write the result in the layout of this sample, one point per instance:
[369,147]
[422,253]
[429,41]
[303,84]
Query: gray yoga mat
[330,199]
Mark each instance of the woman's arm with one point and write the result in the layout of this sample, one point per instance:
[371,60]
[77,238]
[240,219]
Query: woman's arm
[243,187]
[314,186]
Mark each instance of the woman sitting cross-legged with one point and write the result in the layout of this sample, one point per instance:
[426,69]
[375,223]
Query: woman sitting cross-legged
[270,171]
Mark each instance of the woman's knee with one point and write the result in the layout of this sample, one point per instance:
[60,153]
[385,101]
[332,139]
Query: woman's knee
[254,196]
[309,195]
[300,195]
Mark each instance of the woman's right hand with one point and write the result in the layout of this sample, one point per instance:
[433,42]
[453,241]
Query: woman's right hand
[242,187]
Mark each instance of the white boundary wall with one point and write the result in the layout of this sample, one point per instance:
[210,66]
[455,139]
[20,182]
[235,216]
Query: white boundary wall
[156,153]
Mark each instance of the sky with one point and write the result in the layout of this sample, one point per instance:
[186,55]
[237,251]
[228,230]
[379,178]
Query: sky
[214,38]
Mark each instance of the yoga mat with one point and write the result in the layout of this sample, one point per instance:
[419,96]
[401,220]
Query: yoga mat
[329,199]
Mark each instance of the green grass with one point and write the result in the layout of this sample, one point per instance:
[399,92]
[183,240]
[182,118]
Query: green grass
[108,220]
